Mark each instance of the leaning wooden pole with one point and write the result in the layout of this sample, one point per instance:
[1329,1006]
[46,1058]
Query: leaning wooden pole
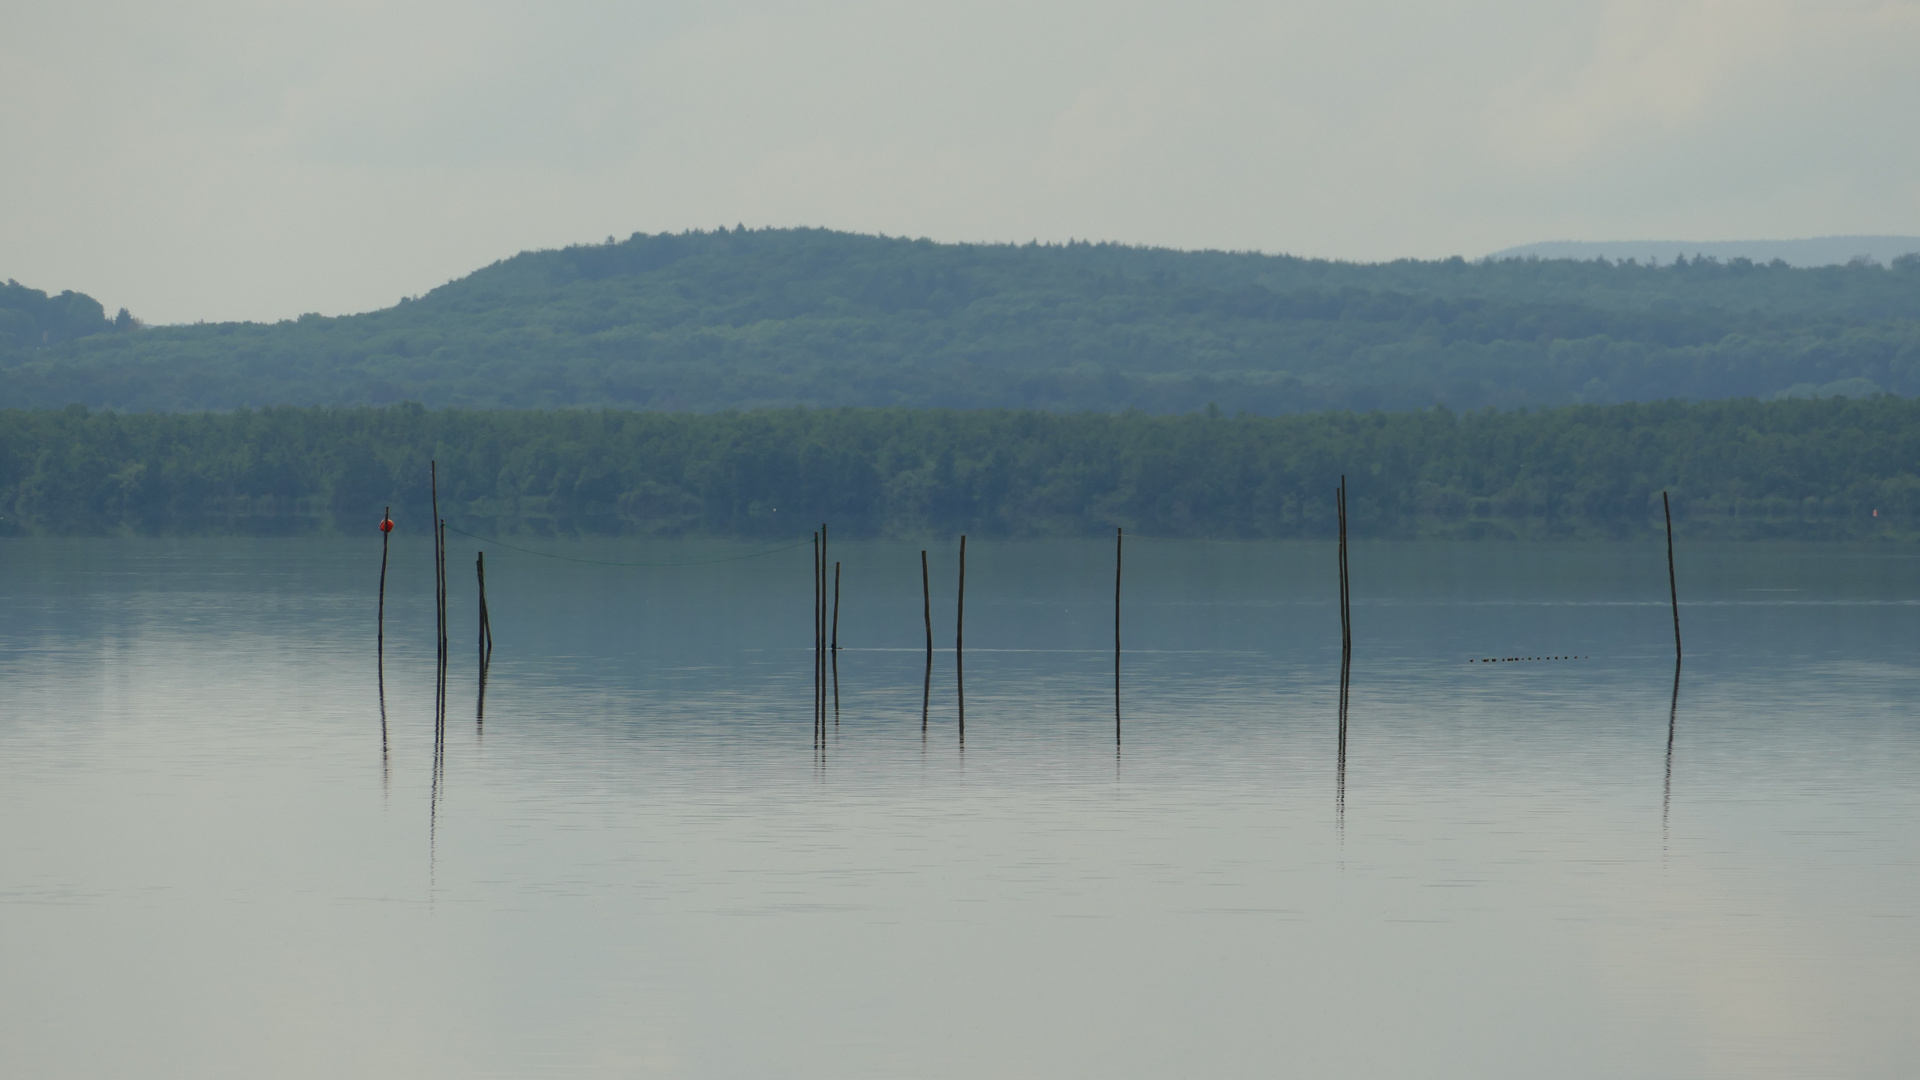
[1346,666]
[1673,588]
[1346,614]
[380,616]
[1346,566]
[1339,546]
[926,604]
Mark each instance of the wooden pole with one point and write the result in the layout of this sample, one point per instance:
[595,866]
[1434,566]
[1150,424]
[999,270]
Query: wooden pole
[816,633]
[446,640]
[960,615]
[820,654]
[926,611]
[1340,557]
[1119,536]
[1340,767]
[485,639]
[439,583]
[959,642]
[1346,608]
[1673,588]
[833,647]
[486,622]
[1346,667]
[380,619]
[380,644]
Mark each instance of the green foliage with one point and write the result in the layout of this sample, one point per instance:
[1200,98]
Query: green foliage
[30,320]
[1795,468]
[756,319]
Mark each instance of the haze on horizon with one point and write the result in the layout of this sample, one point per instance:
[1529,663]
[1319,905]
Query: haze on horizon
[225,160]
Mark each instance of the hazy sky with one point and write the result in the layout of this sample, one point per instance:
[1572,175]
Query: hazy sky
[214,160]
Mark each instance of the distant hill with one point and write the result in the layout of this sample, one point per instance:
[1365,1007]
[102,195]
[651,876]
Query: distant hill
[1819,251]
[738,319]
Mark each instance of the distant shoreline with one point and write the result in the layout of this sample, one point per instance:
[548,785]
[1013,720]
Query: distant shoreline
[1815,469]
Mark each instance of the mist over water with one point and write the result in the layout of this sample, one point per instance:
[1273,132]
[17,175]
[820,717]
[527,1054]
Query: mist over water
[642,863]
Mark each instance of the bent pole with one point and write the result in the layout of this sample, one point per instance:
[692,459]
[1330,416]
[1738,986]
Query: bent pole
[1673,589]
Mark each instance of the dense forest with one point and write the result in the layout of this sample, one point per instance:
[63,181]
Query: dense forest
[745,319]
[31,322]
[1796,468]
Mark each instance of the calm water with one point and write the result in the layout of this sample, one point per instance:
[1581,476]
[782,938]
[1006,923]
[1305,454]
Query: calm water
[640,864]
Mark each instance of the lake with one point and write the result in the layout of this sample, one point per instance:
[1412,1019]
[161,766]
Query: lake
[219,857]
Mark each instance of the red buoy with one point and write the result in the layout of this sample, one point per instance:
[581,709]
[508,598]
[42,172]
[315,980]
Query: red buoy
[386,525]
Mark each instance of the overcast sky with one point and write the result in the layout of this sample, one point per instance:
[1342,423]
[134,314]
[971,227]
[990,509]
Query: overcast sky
[219,159]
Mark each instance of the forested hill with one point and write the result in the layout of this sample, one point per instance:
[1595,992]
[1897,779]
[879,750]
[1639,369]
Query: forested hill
[755,318]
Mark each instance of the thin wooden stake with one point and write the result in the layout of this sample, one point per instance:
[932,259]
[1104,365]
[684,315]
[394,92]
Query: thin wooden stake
[485,640]
[439,585]
[446,640]
[1346,605]
[380,619]
[833,646]
[926,604]
[959,642]
[926,611]
[1673,589]
[816,634]
[960,615]
[1119,536]
[444,592]
[820,652]
[1340,556]
[486,622]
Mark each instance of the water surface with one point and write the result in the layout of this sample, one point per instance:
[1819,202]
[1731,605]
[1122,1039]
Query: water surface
[640,862]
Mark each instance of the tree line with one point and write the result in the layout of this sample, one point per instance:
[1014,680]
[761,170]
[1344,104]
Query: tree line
[32,321]
[1744,468]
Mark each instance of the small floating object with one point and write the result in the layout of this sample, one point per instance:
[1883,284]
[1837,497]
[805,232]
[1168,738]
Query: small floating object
[386,525]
